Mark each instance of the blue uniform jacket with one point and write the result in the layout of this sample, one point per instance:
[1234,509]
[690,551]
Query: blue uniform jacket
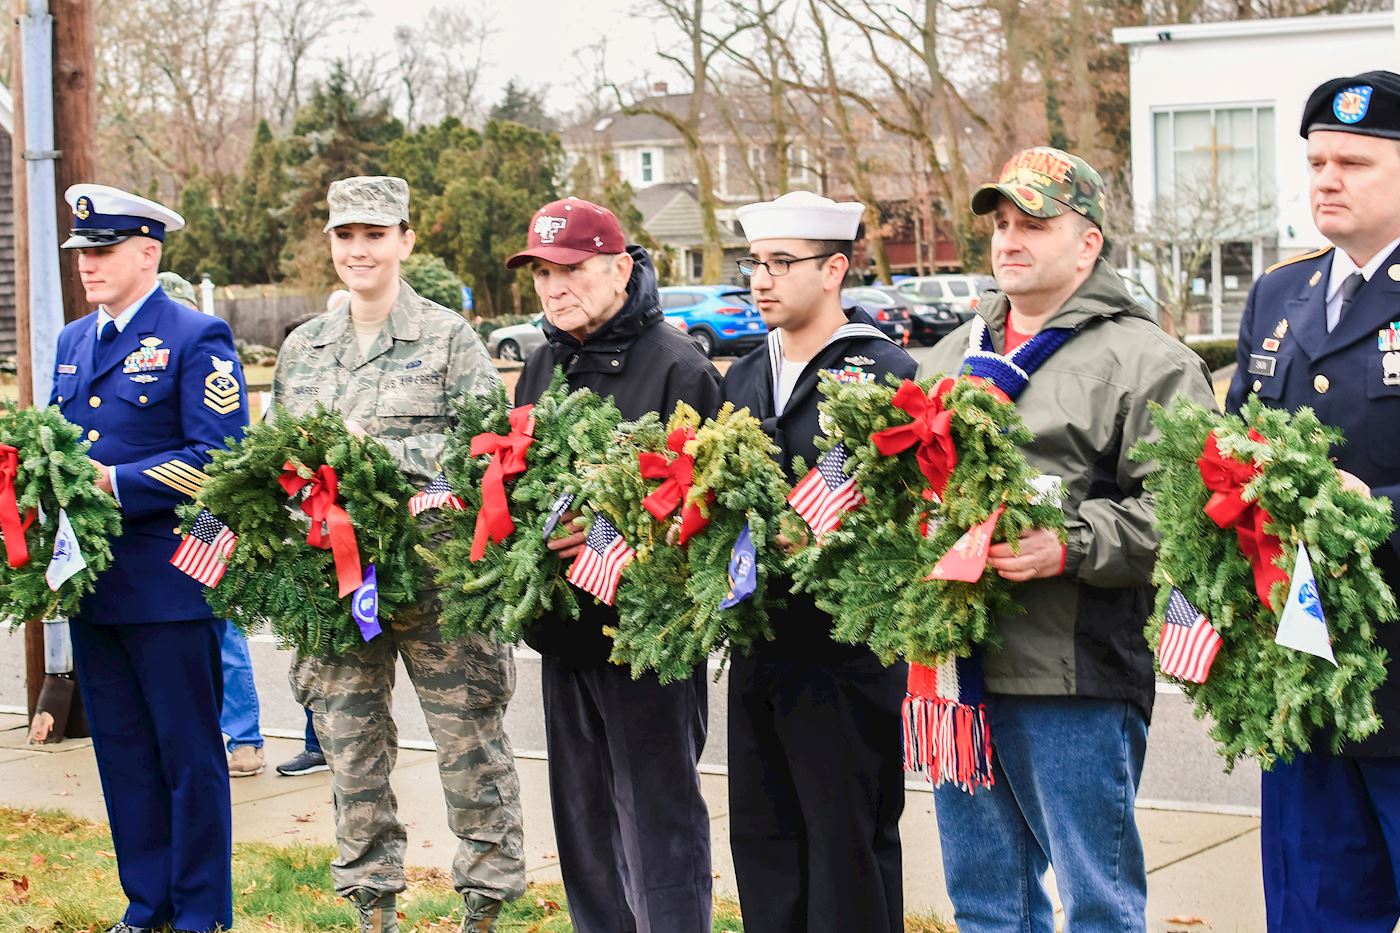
[159,398]
[1287,357]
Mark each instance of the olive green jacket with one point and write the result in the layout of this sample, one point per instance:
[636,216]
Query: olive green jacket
[1087,405]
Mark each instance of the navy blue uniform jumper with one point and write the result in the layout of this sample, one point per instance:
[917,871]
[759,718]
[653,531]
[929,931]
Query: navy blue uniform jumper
[816,778]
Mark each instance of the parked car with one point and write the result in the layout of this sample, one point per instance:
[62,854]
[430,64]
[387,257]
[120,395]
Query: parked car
[928,323]
[720,318]
[959,293]
[516,341]
[891,313]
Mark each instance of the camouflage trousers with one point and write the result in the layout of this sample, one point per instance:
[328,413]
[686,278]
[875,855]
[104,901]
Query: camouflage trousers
[463,687]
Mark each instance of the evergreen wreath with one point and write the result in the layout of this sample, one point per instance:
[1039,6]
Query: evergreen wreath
[870,574]
[670,615]
[519,579]
[274,575]
[1266,700]
[51,473]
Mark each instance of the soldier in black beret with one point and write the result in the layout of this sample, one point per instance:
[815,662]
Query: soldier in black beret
[1323,330]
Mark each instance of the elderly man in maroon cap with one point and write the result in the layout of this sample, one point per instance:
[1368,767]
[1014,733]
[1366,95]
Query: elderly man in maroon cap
[632,829]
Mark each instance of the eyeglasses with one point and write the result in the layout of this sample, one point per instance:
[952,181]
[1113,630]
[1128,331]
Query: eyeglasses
[775,267]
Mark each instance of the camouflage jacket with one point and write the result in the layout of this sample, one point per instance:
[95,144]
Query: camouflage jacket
[401,391]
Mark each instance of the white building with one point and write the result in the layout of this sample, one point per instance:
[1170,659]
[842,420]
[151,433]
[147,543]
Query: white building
[1220,103]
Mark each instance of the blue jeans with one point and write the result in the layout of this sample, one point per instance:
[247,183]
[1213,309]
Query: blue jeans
[238,718]
[313,744]
[1067,771]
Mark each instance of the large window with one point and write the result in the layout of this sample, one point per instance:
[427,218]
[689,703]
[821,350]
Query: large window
[1226,153]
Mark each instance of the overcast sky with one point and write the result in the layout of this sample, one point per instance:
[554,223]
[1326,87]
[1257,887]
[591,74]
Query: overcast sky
[535,41]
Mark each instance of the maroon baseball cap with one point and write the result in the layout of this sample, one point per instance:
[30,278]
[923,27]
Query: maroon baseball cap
[570,231]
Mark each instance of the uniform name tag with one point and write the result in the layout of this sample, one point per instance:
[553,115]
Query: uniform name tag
[1260,365]
[66,369]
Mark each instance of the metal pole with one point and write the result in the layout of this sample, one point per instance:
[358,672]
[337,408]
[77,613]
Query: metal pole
[45,288]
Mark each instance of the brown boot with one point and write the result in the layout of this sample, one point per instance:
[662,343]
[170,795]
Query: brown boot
[481,913]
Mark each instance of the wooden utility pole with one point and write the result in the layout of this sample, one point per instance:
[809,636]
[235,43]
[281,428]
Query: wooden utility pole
[74,91]
[75,126]
[33,629]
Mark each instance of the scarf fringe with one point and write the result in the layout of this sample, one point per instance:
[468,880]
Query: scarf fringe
[947,740]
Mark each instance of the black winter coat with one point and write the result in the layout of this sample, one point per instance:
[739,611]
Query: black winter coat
[643,364]
[803,631]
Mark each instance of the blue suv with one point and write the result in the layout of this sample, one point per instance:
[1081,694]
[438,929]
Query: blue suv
[721,318]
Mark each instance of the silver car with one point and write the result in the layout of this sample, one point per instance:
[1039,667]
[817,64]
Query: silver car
[516,341]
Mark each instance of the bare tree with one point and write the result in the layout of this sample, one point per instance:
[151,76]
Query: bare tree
[439,65]
[701,47]
[300,25]
[1176,236]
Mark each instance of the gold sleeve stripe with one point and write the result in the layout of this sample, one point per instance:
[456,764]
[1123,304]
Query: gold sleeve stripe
[179,466]
[176,480]
[1292,259]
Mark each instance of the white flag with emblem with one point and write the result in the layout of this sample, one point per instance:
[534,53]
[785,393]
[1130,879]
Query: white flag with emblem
[67,556]
[1303,625]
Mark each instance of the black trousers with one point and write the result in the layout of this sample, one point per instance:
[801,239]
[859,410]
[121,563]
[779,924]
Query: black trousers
[632,829]
[816,789]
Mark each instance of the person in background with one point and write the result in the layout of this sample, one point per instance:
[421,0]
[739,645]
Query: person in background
[238,716]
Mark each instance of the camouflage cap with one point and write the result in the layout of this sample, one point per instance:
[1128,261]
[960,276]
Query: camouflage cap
[1044,182]
[381,200]
[179,288]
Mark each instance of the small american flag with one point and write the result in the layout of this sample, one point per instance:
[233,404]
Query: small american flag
[826,492]
[598,566]
[1188,643]
[435,495]
[203,554]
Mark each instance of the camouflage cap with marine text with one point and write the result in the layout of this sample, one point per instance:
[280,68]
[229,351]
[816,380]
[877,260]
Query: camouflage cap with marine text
[378,200]
[1045,182]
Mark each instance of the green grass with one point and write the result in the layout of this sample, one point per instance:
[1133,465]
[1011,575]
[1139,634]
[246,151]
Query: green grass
[58,875]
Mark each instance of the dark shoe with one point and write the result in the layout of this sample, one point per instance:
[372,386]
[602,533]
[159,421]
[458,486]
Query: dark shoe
[305,763]
[378,913]
[481,913]
[121,926]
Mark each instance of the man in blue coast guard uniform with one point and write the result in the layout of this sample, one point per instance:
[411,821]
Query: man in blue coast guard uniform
[1323,330]
[155,386]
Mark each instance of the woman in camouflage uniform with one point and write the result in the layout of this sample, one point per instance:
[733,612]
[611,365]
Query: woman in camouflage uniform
[391,363]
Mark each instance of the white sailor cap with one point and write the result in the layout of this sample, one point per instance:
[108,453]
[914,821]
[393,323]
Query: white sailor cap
[103,215]
[801,215]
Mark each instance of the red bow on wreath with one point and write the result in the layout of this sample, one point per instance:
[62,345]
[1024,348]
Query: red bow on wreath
[679,475]
[931,429]
[507,462]
[1226,478]
[330,524]
[11,528]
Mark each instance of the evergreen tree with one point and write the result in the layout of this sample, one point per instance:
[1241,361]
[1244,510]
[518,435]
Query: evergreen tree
[430,278]
[524,106]
[204,244]
[336,135]
[258,212]
[491,185]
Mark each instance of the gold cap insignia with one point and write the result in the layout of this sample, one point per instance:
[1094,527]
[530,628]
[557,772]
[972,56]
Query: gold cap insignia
[83,208]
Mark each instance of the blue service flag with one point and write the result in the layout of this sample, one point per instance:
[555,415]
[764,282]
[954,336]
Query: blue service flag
[364,606]
[743,570]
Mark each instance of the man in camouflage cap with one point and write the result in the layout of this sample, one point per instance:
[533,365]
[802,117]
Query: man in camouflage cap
[391,362]
[1067,699]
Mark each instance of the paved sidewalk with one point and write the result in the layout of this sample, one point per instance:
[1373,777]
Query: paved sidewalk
[1200,865]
